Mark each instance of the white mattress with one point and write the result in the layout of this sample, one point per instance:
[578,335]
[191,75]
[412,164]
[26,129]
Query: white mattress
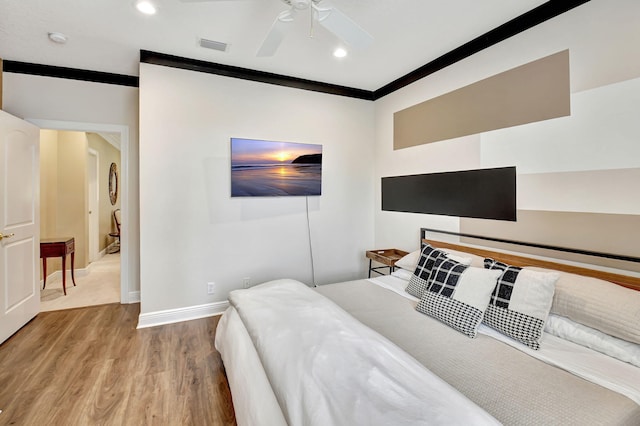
[255,403]
[253,399]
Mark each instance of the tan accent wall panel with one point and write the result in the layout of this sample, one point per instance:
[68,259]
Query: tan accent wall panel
[63,194]
[536,91]
[594,191]
[608,233]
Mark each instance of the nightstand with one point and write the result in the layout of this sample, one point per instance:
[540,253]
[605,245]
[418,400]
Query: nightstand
[388,257]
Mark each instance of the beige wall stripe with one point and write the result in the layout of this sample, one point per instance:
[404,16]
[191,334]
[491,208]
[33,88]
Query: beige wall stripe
[608,233]
[532,92]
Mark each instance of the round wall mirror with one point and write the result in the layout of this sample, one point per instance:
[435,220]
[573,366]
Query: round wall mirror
[113,183]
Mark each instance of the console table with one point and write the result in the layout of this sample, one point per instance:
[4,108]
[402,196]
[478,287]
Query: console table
[58,247]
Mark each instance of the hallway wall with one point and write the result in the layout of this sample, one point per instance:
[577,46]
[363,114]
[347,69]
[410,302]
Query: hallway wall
[63,191]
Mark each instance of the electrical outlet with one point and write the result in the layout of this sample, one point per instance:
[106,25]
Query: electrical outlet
[246,282]
[211,287]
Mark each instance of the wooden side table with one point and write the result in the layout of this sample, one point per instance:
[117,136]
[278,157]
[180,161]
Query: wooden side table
[58,247]
[388,257]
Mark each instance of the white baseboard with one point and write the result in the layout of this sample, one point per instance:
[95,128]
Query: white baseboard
[171,316]
[134,296]
[82,272]
[57,275]
[110,248]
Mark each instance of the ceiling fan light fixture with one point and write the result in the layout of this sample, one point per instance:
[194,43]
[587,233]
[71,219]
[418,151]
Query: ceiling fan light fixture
[298,4]
[332,19]
[340,52]
[146,7]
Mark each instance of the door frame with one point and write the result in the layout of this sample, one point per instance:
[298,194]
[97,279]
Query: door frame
[93,235]
[123,187]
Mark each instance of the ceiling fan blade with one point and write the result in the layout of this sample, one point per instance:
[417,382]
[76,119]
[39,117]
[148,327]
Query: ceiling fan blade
[276,34]
[273,40]
[200,1]
[344,28]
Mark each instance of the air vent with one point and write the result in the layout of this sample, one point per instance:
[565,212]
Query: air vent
[212,44]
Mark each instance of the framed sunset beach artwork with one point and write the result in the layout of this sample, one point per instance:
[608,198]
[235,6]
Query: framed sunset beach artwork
[262,168]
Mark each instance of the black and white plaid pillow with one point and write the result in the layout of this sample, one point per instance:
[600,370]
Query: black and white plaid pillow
[520,303]
[418,282]
[457,294]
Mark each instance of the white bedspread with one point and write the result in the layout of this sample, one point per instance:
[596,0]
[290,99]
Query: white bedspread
[593,366]
[326,368]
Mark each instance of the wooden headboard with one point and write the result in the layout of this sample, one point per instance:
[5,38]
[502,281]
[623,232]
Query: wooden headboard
[517,260]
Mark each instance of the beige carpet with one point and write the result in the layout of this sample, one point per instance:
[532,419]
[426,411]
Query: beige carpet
[101,285]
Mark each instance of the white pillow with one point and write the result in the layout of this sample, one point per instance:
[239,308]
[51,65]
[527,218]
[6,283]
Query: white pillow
[466,261]
[403,274]
[521,302]
[477,261]
[599,304]
[593,339]
[422,270]
[409,261]
[458,294]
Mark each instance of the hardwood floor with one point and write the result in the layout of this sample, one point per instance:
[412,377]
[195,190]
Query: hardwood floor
[90,366]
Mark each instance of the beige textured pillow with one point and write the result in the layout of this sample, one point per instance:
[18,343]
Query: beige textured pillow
[409,261]
[476,261]
[598,304]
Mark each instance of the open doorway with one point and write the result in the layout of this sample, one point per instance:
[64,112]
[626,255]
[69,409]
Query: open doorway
[99,250]
[94,203]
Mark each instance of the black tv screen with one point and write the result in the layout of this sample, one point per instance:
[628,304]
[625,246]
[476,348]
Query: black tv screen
[262,168]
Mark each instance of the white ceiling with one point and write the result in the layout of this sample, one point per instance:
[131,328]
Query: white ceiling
[107,35]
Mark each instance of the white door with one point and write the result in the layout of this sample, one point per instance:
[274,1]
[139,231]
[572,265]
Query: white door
[19,223]
[92,187]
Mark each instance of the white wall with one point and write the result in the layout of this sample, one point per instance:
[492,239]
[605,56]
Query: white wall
[47,98]
[602,39]
[192,231]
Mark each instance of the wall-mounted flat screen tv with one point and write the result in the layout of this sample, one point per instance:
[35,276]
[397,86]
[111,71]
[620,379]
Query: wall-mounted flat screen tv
[272,169]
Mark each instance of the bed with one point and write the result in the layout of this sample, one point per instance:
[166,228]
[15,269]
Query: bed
[369,352]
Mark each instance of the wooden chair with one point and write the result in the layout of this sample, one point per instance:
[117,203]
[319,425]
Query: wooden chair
[116,220]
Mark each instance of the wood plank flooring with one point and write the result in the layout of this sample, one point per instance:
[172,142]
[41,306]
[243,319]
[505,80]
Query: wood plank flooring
[90,366]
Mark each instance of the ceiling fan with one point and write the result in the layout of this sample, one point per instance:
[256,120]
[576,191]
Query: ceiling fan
[330,18]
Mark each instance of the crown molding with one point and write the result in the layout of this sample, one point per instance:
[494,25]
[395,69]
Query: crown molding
[69,73]
[156,58]
[527,20]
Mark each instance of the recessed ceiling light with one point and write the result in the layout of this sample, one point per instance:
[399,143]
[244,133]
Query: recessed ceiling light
[340,52]
[146,7]
[58,38]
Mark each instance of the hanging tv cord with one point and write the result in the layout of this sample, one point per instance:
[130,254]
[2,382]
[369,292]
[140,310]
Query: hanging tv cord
[313,273]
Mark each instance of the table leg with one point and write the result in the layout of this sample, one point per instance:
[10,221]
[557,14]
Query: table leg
[64,274]
[370,268]
[73,255]
[44,272]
